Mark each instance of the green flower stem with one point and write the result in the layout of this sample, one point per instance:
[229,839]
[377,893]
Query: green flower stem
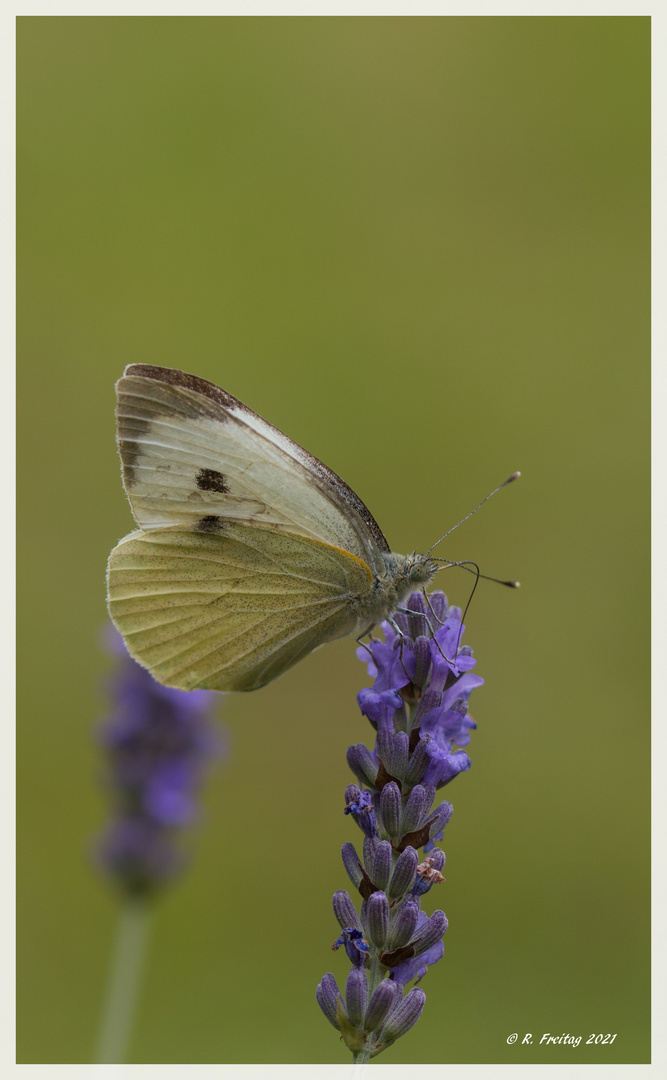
[362,1057]
[375,973]
[124,980]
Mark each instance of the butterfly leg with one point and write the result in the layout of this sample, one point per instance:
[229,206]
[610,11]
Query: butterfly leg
[407,611]
[363,644]
[401,637]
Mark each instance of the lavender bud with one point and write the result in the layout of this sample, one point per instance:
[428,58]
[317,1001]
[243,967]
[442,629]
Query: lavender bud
[390,809]
[377,916]
[414,810]
[369,849]
[385,748]
[352,864]
[419,759]
[404,874]
[436,860]
[438,602]
[345,911]
[416,603]
[403,924]
[399,762]
[328,997]
[430,699]
[401,718]
[430,932]
[363,764]
[382,865]
[356,995]
[404,1016]
[422,651]
[384,998]
[430,790]
[417,622]
[441,818]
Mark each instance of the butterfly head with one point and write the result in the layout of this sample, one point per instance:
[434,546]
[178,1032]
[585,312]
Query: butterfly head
[419,569]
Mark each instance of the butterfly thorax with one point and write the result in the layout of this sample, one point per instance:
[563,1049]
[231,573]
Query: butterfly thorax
[403,573]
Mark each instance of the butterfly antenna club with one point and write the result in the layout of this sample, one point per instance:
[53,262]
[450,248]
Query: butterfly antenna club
[465,564]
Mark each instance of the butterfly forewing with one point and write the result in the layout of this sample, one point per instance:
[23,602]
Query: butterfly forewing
[190,451]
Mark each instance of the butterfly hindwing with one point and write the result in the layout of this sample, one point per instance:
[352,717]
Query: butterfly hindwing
[231,607]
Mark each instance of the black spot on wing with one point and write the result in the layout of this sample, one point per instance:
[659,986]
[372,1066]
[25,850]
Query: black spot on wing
[210,524]
[211,480]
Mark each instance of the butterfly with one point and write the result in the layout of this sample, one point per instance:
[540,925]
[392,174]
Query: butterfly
[250,552]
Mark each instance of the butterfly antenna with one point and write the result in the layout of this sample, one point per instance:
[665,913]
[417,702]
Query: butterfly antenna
[514,476]
[477,574]
[464,565]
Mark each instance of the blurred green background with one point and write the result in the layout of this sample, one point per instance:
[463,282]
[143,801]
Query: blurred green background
[420,246]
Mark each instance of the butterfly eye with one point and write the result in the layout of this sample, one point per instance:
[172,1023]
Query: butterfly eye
[421,571]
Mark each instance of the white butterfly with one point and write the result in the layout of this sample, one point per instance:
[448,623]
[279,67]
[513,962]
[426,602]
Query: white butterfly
[250,552]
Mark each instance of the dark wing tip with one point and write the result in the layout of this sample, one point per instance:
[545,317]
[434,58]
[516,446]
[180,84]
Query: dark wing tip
[176,377]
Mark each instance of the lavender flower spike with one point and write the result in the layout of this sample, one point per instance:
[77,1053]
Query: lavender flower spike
[158,742]
[418,711]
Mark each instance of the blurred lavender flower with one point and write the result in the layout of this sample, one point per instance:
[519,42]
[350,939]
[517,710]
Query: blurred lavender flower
[158,742]
[418,707]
